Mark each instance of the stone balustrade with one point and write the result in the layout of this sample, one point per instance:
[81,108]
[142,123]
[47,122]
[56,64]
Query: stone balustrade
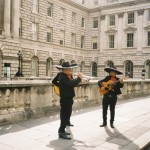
[24,99]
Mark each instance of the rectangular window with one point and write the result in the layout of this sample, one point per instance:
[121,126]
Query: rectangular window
[95,2]
[7,70]
[35,5]
[49,34]
[20,27]
[149,15]
[83,22]
[73,42]
[34,31]
[73,18]
[149,38]
[130,39]
[94,42]
[82,42]
[112,20]
[49,9]
[111,41]
[130,18]
[62,13]
[62,37]
[95,23]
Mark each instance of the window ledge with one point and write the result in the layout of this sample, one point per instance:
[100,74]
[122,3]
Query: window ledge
[36,13]
[129,48]
[50,17]
[110,49]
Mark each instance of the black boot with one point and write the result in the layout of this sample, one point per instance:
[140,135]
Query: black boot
[112,125]
[64,136]
[69,124]
[103,124]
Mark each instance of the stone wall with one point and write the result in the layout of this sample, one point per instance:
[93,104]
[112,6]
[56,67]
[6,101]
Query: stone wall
[25,99]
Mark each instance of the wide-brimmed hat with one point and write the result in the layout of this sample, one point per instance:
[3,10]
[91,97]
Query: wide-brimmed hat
[66,65]
[109,69]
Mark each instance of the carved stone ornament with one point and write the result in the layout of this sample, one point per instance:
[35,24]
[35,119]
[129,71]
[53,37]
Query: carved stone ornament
[120,15]
[140,12]
[102,17]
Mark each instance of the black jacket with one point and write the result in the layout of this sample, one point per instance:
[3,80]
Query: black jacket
[66,85]
[119,85]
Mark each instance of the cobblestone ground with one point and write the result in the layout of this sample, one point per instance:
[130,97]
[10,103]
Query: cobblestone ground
[132,130]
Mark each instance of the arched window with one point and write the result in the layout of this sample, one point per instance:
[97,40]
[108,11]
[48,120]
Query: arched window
[94,69]
[109,64]
[49,67]
[35,66]
[129,68]
[82,67]
[147,69]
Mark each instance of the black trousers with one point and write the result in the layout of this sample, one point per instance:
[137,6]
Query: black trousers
[109,100]
[65,113]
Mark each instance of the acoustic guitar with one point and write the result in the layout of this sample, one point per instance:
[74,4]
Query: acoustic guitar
[109,86]
[56,89]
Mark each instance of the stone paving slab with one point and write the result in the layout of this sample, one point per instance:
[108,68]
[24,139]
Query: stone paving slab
[132,130]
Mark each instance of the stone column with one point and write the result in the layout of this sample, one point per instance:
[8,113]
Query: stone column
[7,18]
[15,18]
[120,30]
[140,30]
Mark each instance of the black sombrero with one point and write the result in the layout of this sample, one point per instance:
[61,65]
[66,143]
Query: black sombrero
[66,65]
[109,69]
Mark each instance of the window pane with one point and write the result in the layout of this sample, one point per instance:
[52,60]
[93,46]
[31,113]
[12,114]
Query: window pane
[49,10]
[94,42]
[130,40]
[149,15]
[73,42]
[130,18]
[95,23]
[83,22]
[35,5]
[111,41]
[82,41]
[20,27]
[73,18]
[112,20]
[34,31]
[148,38]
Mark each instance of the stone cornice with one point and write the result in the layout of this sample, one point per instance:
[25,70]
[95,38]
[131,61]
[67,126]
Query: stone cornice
[76,5]
[124,4]
[130,28]
[147,27]
[110,31]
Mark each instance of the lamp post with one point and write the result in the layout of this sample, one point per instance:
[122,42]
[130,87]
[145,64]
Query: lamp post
[19,73]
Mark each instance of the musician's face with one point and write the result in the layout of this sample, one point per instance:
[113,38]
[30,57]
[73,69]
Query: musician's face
[113,73]
[68,71]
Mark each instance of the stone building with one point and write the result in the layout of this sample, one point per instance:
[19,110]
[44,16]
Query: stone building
[92,33]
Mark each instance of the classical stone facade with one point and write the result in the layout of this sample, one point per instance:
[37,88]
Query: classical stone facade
[93,35]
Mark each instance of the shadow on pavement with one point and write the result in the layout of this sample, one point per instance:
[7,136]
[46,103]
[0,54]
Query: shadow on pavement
[122,141]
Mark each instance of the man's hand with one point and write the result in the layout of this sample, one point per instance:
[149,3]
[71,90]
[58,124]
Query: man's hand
[121,81]
[80,75]
[103,88]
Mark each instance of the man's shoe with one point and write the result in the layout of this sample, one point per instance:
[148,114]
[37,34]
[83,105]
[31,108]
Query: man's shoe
[112,125]
[103,125]
[67,133]
[69,124]
[64,136]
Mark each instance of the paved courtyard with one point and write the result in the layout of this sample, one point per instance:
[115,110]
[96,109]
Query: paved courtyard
[132,130]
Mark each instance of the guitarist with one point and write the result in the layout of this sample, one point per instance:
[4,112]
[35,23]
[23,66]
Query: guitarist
[66,86]
[110,98]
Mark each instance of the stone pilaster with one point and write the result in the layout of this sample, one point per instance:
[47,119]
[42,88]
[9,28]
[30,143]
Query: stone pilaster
[7,18]
[15,18]
[140,30]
